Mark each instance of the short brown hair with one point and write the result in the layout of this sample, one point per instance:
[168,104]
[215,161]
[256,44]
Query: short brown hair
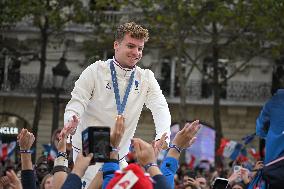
[135,31]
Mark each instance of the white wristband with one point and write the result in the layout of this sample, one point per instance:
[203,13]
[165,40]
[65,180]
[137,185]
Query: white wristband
[61,161]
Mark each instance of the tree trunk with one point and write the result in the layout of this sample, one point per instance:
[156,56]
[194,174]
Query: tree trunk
[216,89]
[182,89]
[44,41]
[182,95]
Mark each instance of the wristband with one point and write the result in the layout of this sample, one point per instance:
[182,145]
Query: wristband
[59,168]
[25,151]
[175,147]
[62,154]
[147,166]
[61,161]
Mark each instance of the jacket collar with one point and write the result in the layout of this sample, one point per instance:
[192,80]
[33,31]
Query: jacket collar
[122,72]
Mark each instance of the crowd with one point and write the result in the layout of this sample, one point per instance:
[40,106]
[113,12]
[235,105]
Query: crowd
[91,105]
[47,174]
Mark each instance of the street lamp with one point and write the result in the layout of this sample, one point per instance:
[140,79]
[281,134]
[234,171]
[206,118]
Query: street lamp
[60,73]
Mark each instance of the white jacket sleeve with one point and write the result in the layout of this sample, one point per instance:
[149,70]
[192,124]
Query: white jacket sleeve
[81,93]
[157,103]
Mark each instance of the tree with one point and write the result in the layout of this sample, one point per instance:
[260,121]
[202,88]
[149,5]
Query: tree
[49,18]
[194,30]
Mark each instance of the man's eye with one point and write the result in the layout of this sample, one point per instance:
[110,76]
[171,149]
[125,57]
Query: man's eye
[130,46]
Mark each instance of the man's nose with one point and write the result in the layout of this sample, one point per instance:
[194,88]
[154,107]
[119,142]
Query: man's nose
[135,51]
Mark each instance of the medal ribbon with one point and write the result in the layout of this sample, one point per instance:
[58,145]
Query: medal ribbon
[120,106]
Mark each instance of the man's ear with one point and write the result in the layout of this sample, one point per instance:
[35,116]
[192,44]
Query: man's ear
[115,45]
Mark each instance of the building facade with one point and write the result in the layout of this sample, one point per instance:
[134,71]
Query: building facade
[242,96]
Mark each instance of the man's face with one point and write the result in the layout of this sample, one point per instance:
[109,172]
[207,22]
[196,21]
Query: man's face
[128,51]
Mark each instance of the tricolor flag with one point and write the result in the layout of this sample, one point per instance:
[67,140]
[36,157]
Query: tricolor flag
[229,149]
[254,153]
[7,149]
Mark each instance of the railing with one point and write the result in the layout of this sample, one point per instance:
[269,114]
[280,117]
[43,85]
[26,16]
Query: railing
[28,82]
[235,91]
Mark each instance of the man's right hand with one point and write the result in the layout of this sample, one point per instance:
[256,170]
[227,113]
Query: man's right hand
[70,127]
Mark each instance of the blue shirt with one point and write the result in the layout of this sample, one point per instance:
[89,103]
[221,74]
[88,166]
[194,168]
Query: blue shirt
[272,113]
[169,168]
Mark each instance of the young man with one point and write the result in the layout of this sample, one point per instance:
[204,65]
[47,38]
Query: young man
[117,86]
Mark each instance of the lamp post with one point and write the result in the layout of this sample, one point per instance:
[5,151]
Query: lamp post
[60,73]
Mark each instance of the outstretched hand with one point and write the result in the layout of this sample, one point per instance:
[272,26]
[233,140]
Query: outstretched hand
[160,144]
[25,139]
[186,137]
[144,151]
[70,127]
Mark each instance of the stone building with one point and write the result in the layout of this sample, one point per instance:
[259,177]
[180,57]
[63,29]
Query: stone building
[244,94]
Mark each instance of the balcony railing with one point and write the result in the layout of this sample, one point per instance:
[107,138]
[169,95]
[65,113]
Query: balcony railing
[28,82]
[236,91]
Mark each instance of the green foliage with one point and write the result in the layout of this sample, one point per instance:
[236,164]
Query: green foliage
[54,14]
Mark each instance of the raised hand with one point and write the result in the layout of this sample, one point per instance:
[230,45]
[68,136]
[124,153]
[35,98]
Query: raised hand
[186,137]
[25,139]
[158,145]
[14,181]
[144,151]
[117,131]
[191,182]
[70,127]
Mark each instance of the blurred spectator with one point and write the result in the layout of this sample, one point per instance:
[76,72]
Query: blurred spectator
[43,167]
[238,185]
[47,182]
[202,182]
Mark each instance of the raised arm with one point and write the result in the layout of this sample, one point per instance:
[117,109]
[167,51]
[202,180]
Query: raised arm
[110,167]
[183,140]
[73,180]
[61,162]
[146,157]
[81,93]
[26,140]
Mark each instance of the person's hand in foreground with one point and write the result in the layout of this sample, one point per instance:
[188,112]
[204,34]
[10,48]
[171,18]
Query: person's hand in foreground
[14,181]
[186,137]
[81,164]
[160,144]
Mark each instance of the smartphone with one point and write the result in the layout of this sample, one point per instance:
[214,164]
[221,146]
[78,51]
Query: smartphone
[220,183]
[237,168]
[96,140]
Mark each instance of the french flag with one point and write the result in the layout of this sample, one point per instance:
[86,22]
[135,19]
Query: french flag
[7,149]
[229,149]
